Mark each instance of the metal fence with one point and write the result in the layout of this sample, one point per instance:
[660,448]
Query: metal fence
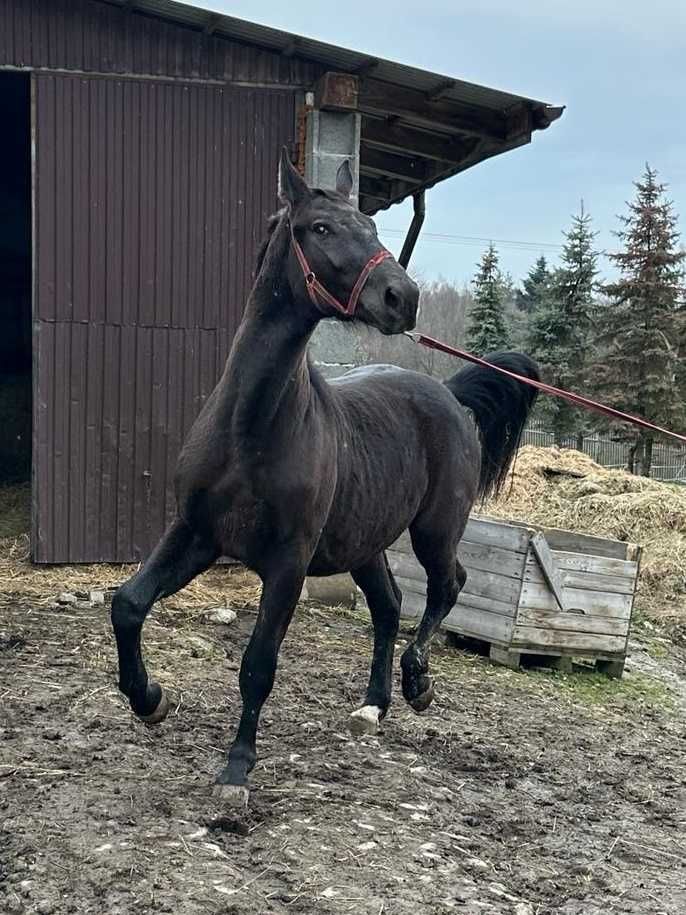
[669,462]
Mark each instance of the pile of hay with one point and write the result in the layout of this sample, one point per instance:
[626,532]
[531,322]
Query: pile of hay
[36,585]
[554,487]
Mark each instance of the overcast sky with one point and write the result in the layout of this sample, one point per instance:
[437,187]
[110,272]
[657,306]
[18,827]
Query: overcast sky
[618,65]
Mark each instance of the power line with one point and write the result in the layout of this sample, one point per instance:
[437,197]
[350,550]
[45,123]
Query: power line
[475,241]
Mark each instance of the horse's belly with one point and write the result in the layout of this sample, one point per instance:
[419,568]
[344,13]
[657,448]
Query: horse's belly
[349,541]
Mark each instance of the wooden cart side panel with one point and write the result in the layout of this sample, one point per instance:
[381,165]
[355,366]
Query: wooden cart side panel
[586,562]
[465,619]
[593,578]
[635,553]
[572,622]
[493,555]
[601,586]
[572,542]
[508,602]
[478,623]
[497,534]
[417,589]
[481,583]
[592,603]
[532,638]
[476,556]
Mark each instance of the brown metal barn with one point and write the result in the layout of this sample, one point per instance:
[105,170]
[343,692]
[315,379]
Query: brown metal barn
[137,168]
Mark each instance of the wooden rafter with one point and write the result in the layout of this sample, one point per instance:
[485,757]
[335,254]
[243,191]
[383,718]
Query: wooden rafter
[412,105]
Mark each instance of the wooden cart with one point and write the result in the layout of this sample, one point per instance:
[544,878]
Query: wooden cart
[535,591]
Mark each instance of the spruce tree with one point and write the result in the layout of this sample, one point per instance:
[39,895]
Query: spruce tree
[487,327]
[560,335]
[536,287]
[641,328]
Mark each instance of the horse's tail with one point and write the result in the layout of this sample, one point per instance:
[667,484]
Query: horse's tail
[500,406]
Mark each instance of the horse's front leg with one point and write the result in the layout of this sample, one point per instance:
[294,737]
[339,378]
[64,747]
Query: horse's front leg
[179,556]
[281,589]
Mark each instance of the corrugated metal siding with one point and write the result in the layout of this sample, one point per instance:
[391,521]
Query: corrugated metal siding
[151,200]
[94,36]
[330,57]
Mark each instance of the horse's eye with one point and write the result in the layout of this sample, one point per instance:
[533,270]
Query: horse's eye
[320,228]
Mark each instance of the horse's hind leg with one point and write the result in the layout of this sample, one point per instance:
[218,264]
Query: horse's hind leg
[177,559]
[445,579]
[383,598]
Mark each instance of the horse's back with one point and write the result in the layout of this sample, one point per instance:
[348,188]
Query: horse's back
[394,386]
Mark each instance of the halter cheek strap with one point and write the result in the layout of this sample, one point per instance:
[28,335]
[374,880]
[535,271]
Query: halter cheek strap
[319,293]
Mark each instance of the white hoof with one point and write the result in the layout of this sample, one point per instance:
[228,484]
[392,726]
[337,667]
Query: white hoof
[234,797]
[365,720]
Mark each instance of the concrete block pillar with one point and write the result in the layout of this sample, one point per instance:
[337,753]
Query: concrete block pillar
[333,130]
[332,137]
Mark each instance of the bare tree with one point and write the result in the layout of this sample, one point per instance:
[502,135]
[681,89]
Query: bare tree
[442,314]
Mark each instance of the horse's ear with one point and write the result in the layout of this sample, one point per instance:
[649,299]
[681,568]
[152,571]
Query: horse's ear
[344,179]
[292,188]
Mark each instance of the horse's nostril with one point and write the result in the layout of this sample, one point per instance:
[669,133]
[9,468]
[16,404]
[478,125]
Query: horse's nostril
[391,297]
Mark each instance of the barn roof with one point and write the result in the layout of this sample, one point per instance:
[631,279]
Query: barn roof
[418,127]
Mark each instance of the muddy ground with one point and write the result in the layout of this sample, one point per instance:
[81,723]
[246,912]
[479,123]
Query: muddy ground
[515,793]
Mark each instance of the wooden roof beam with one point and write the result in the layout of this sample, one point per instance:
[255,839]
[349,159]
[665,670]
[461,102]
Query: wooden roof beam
[377,97]
[381,162]
[367,67]
[379,189]
[391,135]
[440,89]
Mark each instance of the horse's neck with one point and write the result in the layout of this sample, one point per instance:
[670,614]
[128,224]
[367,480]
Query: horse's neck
[267,375]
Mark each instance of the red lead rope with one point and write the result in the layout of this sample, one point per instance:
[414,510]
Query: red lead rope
[431,343]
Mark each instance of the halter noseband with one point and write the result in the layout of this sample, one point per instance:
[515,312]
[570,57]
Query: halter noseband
[316,291]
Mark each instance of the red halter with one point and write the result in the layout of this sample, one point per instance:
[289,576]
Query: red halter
[316,291]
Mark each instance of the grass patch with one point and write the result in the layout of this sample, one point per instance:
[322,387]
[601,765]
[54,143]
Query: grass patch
[15,510]
[657,648]
[595,689]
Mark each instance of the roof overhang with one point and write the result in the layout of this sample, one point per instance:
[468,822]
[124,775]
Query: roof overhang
[418,127]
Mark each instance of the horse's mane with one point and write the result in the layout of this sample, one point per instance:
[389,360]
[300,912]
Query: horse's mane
[316,377]
[272,223]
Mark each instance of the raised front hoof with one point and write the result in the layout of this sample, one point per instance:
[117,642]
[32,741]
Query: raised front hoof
[421,702]
[160,711]
[364,720]
[231,797]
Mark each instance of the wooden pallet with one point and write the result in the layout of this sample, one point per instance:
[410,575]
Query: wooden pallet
[506,657]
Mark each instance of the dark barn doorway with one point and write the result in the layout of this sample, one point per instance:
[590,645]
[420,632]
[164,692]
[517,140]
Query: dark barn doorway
[15,279]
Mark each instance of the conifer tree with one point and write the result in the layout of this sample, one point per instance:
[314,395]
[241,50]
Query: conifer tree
[560,333]
[487,327]
[536,287]
[641,328]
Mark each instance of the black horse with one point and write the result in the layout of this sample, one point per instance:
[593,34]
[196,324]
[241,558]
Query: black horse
[294,476]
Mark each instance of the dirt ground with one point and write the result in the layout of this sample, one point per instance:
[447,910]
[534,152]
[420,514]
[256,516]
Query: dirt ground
[517,792]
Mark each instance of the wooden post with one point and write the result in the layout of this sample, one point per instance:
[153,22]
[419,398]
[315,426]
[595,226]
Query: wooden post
[613,669]
[504,657]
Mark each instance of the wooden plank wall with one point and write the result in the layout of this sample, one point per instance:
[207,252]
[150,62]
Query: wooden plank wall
[600,586]
[507,600]
[494,556]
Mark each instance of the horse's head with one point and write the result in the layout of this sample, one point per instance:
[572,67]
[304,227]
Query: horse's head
[337,263]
